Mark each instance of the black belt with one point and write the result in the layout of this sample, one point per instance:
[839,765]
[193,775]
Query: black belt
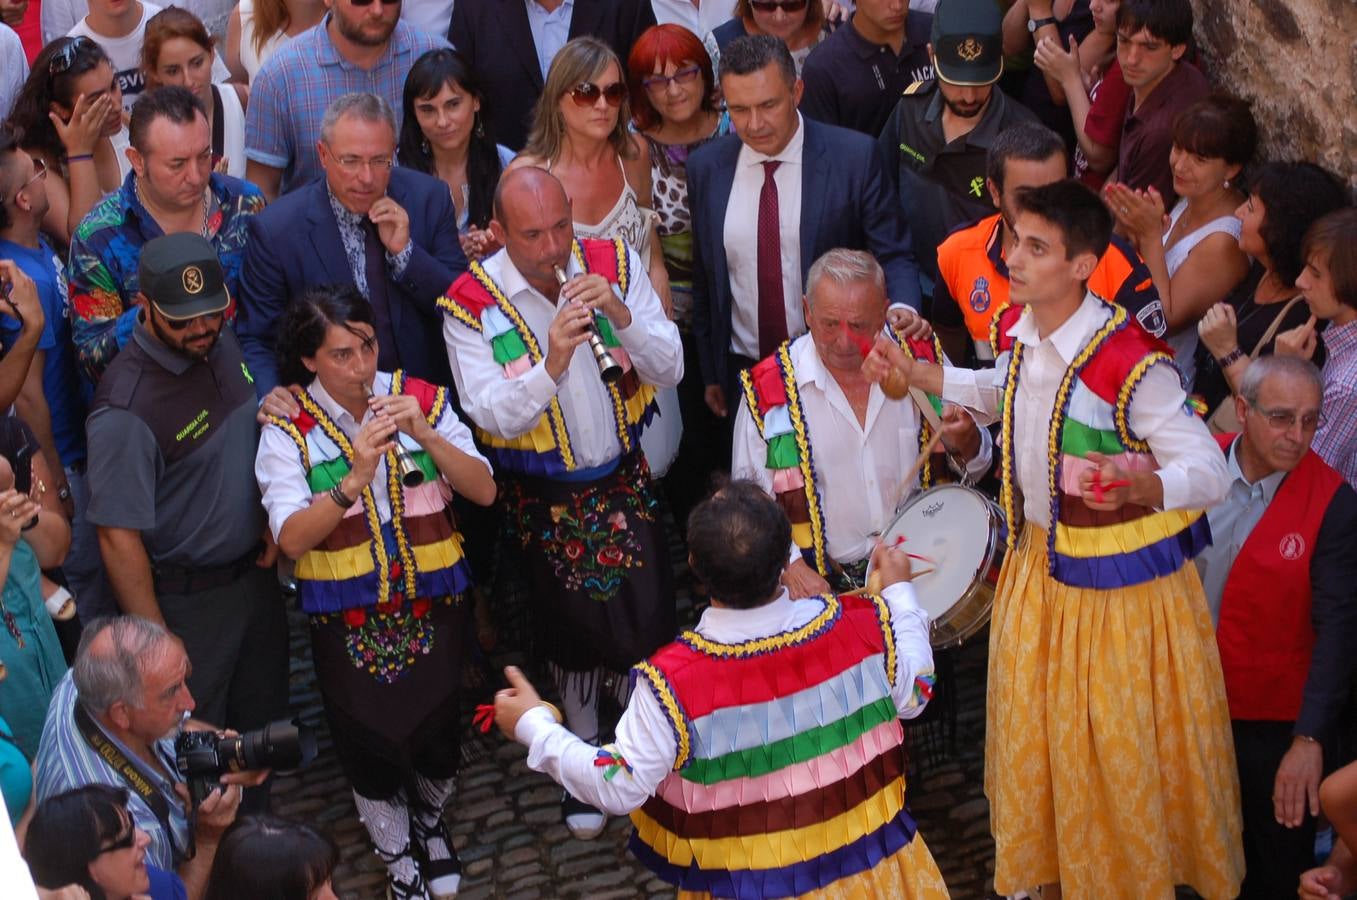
[192,579]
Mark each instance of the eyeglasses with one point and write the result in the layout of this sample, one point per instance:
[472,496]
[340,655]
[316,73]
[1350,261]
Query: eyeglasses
[352,164]
[122,842]
[768,6]
[178,325]
[1285,419]
[586,94]
[658,83]
[369,2]
[39,171]
[64,58]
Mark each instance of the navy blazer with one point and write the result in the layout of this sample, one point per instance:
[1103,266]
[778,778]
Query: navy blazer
[294,244]
[846,201]
[495,39]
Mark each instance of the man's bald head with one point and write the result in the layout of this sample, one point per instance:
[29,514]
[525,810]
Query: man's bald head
[528,187]
[533,222]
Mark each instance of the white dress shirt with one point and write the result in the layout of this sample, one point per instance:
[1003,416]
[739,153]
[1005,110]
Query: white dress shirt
[550,30]
[509,407]
[742,241]
[858,467]
[645,738]
[1232,521]
[430,16]
[1191,466]
[697,19]
[282,480]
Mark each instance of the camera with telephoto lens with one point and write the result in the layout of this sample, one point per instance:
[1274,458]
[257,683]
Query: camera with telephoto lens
[202,757]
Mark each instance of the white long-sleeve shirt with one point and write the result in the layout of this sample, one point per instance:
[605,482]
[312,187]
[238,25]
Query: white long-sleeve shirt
[509,407]
[859,467]
[282,479]
[645,738]
[1191,466]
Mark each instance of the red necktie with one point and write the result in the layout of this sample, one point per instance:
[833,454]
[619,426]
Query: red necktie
[772,308]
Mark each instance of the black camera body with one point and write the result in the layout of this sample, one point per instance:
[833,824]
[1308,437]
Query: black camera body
[202,757]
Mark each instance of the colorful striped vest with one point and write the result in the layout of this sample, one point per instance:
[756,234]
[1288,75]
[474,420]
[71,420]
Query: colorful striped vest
[1085,547]
[770,393]
[544,451]
[790,771]
[364,561]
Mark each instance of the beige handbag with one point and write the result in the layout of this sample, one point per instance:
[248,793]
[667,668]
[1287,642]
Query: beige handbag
[1225,420]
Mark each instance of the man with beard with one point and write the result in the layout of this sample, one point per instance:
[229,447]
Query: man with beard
[360,47]
[937,138]
[172,440]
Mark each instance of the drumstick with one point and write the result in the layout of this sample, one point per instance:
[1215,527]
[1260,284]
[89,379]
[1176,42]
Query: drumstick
[915,469]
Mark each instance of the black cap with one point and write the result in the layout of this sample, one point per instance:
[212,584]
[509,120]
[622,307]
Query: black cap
[968,46]
[181,275]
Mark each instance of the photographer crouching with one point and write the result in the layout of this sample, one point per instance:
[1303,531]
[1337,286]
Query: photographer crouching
[115,718]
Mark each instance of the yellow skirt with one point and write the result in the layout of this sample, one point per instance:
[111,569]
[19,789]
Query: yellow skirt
[908,874]
[1109,764]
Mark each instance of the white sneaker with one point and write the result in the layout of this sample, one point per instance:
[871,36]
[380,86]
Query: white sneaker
[584,821]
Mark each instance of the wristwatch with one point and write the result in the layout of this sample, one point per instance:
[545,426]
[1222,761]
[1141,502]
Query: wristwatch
[1034,24]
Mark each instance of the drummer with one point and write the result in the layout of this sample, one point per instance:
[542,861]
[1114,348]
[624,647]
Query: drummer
[835,451]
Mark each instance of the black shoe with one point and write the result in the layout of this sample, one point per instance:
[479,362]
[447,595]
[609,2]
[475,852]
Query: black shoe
[442,877]
[584,821]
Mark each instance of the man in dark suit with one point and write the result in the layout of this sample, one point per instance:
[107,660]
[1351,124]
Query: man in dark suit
[769,202]
[391,232]
[509,44]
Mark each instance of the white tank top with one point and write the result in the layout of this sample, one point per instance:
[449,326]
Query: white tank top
[1184,343]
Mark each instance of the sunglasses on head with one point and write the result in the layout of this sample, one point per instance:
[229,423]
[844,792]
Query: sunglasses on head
[586,93]
[64,58]
[767,6]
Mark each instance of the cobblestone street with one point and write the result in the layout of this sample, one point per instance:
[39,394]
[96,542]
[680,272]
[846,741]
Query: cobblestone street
[506,819]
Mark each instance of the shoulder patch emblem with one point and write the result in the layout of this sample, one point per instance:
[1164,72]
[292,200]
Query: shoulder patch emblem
[980,297]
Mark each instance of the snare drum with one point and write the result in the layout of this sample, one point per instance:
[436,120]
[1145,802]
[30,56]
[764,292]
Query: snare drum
[961,531]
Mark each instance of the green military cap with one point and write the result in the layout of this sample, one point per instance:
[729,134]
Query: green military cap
[968,47]
[181,275]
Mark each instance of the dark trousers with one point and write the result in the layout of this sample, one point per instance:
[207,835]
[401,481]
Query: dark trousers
[704,448]
[1274,856]
[235,636]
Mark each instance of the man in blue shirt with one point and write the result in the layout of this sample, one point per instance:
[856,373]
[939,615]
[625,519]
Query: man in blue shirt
[356,49]
[54,397]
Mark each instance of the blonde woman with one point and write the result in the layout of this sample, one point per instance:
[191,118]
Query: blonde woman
[580,134]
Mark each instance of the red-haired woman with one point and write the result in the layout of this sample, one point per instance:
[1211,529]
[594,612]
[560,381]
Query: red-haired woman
[674,109]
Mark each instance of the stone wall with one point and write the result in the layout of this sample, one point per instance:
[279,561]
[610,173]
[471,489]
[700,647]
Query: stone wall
[1296,61]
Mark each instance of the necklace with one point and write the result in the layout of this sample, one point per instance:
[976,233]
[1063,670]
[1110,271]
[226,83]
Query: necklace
[207,205]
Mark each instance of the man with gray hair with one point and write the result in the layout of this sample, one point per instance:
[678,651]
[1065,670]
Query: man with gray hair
[113,720]
[864,444]
[1281,583]
[391,232]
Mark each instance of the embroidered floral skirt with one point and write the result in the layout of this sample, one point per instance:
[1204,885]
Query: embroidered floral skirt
[1109,761]
[389,679]
[596,554]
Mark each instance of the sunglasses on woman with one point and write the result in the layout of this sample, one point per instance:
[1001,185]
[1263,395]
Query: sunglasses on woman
[768,6]
[658,83]
[586,94]
[369,2]
[122,841]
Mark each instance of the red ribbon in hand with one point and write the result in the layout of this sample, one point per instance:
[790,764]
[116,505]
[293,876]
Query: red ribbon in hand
[484,718]
[1099,489]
